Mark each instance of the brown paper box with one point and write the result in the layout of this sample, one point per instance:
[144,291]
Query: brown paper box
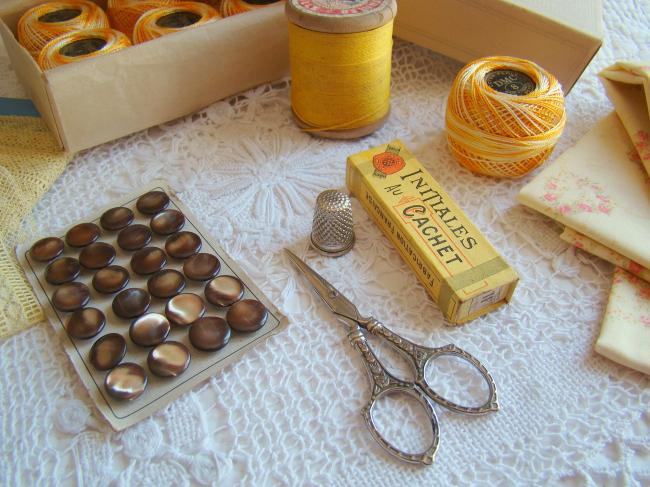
[559,35]
[101,99]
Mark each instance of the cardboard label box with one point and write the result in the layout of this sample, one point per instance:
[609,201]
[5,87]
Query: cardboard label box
[101,99]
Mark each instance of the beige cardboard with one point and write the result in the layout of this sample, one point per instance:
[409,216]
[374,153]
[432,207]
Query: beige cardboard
[101,99]
[160,391]
[560,36]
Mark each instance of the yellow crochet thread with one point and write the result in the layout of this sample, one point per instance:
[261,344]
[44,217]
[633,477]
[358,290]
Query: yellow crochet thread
[340,81]
[30,161]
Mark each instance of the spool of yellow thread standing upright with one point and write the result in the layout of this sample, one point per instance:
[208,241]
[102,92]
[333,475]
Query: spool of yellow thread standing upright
[340,53]
[82,44]
[504,116]
[165,20]
[40,24]
[123,14]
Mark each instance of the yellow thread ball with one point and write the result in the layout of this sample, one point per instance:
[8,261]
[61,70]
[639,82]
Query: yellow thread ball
[161,21]
[124,14]
[40,24]
[79,45]
[234,7]
[504,116]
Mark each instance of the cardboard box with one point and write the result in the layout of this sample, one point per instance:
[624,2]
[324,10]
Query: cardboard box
[559,35]
[96,100]
[456,264]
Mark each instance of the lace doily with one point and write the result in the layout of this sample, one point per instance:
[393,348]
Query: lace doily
[288,413]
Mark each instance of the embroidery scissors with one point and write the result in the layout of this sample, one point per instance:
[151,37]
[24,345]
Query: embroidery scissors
[383,382]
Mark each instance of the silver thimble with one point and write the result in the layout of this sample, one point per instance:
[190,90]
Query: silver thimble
[332,233]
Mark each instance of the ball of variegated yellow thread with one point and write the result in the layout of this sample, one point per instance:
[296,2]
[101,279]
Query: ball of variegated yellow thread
[123,14]
[166,20]
[234,7]
[504,133]
[40,24]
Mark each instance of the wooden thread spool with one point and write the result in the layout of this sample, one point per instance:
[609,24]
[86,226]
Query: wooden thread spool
[504,116]
[40,24]
[234,7]
[124,14]
[340,52]
[79,45]
[166,20]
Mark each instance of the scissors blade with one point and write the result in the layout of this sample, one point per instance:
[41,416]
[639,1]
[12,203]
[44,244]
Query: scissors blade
[337,302]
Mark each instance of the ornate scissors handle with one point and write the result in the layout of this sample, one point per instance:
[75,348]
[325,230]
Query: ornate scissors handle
[383,382]
[419,356]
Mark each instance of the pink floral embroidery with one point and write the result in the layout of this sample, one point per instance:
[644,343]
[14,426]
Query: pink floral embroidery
[585,207]
[550,197]
[564,209]
[569,193]
[642,144]
[645,320]
[579,245]
[635,267]
[604,209]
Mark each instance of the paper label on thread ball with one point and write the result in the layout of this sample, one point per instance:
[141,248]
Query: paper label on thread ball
[510,82]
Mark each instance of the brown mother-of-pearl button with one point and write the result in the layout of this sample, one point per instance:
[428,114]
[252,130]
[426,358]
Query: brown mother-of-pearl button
[97,255]
[148,260]
[62,270]
[209,333]
[224,290]
[149,330]
[167,222]
[82,234]
[126,381]
[134,237]
[108,351]
[71,296]
[131,302]
[182,245]
[46,249]
[201,267]
[111,279]
[152,202]
[183,309]
[166,283]
[85,323]
[169,359]
[116,218]
[247,315]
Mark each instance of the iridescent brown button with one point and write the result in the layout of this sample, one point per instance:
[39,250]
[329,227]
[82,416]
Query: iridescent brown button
[46,249]
[126,381]
[201,267]
[148,260]
[97,255]
[111,279]
[247,315]
[134,237]
[131,302]
[116,218]
[62,270]
[169,359]
[224,290]
[184,309]
[82,234]
[209,333]
[149,330]
[181,245]
[85,323]
[108,351]
[166,283]
[167,222]
[71,296]
[152,202]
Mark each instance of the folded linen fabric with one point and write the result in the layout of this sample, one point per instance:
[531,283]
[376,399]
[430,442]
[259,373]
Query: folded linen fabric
[628,87]
[30,161]
[600,189]
[625,334]
[588,245]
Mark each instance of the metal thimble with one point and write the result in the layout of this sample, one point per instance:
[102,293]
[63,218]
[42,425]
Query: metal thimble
[332,233]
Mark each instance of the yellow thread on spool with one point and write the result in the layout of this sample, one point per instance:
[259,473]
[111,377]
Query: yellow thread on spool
[162,21]
[124,14]
[504,133]
[234,7]
[82,44]
[40,24]
[340,53]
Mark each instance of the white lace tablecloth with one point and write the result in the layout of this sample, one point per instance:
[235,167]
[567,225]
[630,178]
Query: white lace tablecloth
[288,413]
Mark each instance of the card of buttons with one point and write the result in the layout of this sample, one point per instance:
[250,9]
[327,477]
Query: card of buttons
[145,302]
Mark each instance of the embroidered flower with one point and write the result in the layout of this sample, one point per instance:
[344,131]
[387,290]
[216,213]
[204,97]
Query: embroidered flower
[604,209]
[564,209]
[143,440]
[550,197]
[585,207]
[71,417]
[645,320]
